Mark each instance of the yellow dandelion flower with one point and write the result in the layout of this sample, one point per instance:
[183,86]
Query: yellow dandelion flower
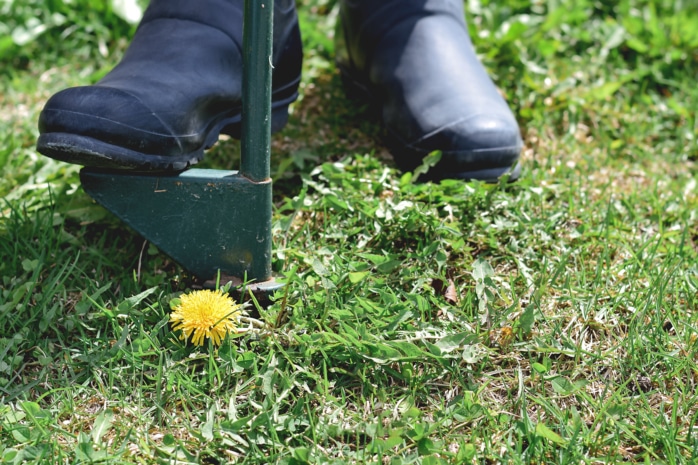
[205,314]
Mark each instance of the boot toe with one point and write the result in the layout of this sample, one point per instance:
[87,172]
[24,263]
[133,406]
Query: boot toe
[481,146]
[474,133]
[109,115]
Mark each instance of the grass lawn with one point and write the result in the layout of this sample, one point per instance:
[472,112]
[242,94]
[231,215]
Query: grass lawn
[553,320]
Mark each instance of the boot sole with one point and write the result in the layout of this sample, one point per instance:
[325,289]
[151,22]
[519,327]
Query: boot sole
[354,89]
[87,151]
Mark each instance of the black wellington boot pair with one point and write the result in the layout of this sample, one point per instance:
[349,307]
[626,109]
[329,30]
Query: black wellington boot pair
[179,86]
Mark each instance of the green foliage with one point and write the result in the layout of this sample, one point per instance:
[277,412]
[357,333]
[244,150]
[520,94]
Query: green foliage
[29,27]
[565,59]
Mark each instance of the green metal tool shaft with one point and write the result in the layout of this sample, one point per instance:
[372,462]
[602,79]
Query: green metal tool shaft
[256,89]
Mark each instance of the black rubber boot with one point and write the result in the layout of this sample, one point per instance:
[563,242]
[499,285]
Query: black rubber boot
[178,86]
[414,61]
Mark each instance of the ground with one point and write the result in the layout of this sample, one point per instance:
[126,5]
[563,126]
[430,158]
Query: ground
[552,320]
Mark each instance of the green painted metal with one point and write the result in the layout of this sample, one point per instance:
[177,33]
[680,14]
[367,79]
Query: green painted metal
[206,220]
[256,89]
[211,221]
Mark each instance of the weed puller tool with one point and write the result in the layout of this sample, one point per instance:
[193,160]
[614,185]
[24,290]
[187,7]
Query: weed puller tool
[211,221]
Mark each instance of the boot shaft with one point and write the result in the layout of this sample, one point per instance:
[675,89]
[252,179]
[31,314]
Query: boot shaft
[227,16]
[364,23]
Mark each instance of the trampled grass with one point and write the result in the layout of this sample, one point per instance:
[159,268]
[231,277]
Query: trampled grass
[547,321]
